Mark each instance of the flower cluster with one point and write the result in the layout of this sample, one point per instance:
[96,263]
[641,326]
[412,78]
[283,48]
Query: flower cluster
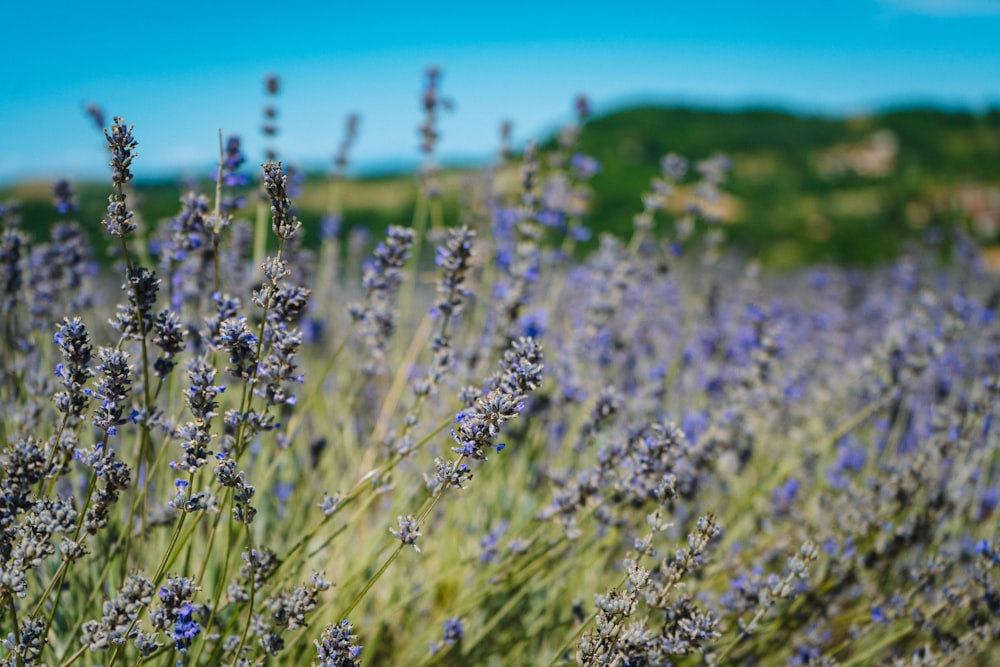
[135,319]
[121,143]
[408,531]
[520,373]
[175,613]
[74,371]
[338,646]
[453,631]
[381,280]
[112,390]
[287,610]
[229,476]
[284,223]
[64,198]
[118,624]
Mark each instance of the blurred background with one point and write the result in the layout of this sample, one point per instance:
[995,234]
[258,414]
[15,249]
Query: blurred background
[852,126]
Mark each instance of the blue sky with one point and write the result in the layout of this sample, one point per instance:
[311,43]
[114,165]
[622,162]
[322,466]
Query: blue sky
[181,70]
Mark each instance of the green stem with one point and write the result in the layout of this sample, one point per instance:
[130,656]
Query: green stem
[371,582]
[246,627]
[73,658]
[421,515]
[317,391]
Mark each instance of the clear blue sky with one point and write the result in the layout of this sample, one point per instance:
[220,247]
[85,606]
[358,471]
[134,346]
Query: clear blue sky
[180,70]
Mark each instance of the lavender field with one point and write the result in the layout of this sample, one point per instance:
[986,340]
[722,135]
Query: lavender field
[467,443]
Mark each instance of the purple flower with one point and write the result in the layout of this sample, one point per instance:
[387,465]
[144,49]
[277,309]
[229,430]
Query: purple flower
[330,224]
[185,628]
[65,199]
[584,166]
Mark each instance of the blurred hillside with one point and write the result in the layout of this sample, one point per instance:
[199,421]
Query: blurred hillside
[803,188]
[808,188]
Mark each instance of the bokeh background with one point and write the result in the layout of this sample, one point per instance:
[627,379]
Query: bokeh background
[870,117]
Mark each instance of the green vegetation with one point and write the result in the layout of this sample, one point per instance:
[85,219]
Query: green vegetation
[787,203]
[803,188]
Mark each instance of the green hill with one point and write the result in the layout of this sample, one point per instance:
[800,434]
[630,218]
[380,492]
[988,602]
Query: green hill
[804,187]
[800,192]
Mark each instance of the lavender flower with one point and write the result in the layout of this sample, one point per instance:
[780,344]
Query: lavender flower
[118,221]
[340,161]
[338,647]
[673,166]
[272,86]
[64,199]
[70,265]
[330,225]
[231,162]
[117,625]
[235,336]
[431,101]
[188,228]
[122,145]
[453,631]
[23,465]
[584,166]
[95,113]
[287,611]
[383,274]
[454,258]
[200,395]
[168,335]
[135,319]
[521,372]
[381,280]
[408,531]
[112,390]
[284,223]
[228,475]
[175,615]
[74,344]
[114,476]
[277,369]
[226,307]
[27,644]
[289,306]
[13,244]
[447,474]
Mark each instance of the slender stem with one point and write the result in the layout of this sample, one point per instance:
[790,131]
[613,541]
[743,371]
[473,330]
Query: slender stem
[247,400]
[401,379]
[222,578]
[421,515]
[371,582]
[73,658]
[246,627]
[317,390]
[44,491]
[160,571]
[419,225]
[19,659]
[355,492]
[57,581]
[260,236]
